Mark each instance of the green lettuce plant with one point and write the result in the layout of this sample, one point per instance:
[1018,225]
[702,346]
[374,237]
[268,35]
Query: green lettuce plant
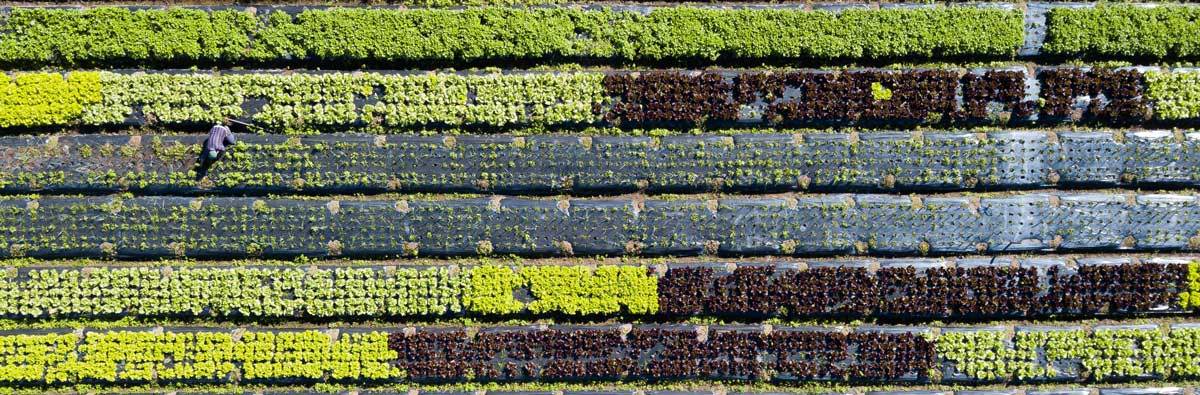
[116,36]
[45,99]
[1190,297]
[1123,31]
[580,290]
[492,289]
[1175,95]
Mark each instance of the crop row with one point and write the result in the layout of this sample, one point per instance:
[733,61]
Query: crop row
[1124,32]
[1131,352]
[662,353]
[329,292]
[899,289]
[387,102]
[910,97]
[974,288]
[612,353]
[351,37]
[831,224]
[771,162]
[652,389]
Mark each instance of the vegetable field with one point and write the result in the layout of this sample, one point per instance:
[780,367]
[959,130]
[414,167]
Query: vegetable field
[543,197]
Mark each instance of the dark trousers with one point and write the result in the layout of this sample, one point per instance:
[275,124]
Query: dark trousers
[203,163]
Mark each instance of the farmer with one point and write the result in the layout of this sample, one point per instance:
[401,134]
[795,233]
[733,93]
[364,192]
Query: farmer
[214,145]
[213,148]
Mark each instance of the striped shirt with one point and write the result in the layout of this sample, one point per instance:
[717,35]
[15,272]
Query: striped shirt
[218,136]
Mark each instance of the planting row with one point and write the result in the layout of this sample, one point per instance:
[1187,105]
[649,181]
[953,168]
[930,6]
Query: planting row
[1130,352]
[832,224]
[326,292]
[614,353]
[352,37]
[973,288]
[1123,31]
[911,97]
[884,161]
[663,353]
[653,390]
[194,356]
[907,289]
[387,102]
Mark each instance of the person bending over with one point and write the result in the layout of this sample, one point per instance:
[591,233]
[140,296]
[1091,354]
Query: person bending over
[219,139]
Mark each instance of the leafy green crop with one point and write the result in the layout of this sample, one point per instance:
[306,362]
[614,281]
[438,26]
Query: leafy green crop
[664,33]
[579,290]
[113,36]
[1102,353]
[307,101]
[225,292]
[373,102]
[43,99]
[334,292]
[492,291]
[1190,298]
[1176,95]
[196,356]
[1124,31]
[570,290]
[983,355]
[108,36]
[879,92]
